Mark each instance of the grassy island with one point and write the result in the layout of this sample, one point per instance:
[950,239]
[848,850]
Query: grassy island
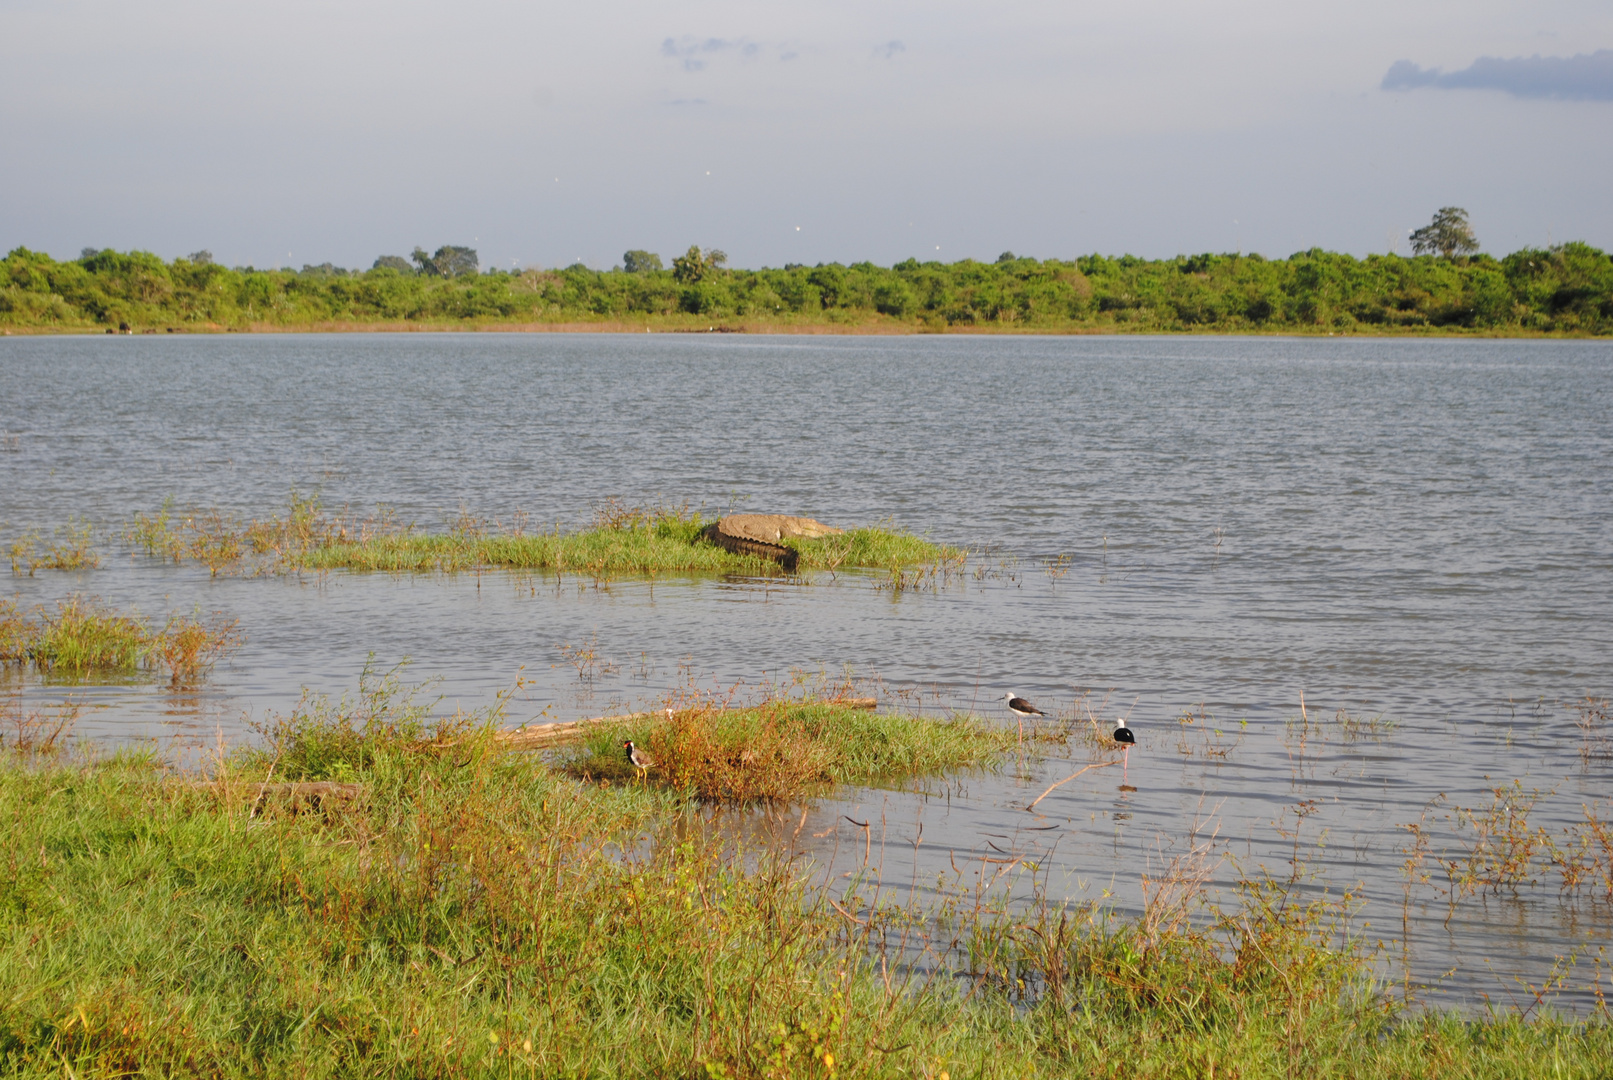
[1566,289]
[471,911]
[623,540]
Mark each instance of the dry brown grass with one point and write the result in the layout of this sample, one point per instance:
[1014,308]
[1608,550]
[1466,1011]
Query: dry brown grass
[783,750]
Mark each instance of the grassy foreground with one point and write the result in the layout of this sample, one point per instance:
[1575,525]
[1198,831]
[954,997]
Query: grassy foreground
[477,913]
[623,540]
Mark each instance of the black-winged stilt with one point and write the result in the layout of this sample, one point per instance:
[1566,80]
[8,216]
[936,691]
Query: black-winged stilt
[1020,708]
[1126,739]
[641,761]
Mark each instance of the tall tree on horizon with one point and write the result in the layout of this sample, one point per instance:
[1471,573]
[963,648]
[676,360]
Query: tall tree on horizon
[1449,234]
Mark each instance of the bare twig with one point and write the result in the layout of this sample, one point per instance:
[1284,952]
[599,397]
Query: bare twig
[1067,779]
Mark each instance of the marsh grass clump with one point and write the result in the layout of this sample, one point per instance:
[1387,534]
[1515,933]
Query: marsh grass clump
[83,636]
[785,750]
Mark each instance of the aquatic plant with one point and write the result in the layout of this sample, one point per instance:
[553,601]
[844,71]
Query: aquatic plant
[83,635]
[72,547]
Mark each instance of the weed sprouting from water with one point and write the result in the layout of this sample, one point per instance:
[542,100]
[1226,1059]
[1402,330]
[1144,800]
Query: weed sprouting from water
[1355,726]
[34,735]
[1502,851]
[1591,717]
[71,547]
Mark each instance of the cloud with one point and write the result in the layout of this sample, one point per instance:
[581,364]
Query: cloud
[889,49]
[1586,77]
[689,49]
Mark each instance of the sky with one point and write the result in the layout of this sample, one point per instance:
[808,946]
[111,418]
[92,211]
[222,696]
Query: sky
[543,134]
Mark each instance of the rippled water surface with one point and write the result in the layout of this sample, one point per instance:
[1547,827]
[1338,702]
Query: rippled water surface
[1417,531]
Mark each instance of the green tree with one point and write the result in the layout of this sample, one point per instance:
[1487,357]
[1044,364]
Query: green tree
[696,265]
[1449,234]
[640,262]
[394,262]
[448,261]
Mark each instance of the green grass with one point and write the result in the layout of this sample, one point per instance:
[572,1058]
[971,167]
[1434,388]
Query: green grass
[477,913]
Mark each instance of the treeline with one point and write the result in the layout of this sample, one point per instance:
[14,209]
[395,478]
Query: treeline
[1563,289]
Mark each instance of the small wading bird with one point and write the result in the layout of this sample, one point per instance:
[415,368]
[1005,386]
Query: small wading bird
[1020,708]
[641,761]
[1127,740]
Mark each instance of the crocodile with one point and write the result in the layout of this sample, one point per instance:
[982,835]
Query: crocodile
[764,535]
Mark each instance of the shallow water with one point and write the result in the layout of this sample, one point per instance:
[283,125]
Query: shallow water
[1421,530]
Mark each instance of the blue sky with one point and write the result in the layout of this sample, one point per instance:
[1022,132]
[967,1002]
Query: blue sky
[306,132]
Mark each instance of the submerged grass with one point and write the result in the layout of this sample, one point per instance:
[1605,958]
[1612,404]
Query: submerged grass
[622,540]
[83,636]
[478,913]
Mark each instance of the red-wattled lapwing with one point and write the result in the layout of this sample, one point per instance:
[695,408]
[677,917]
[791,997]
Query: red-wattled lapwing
[1020,708]
[641,761]
[1127,740]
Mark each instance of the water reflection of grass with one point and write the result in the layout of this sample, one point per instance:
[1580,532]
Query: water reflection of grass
[622,540]
[475,912]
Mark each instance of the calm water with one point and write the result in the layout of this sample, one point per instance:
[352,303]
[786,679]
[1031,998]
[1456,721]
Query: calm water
[1421,530]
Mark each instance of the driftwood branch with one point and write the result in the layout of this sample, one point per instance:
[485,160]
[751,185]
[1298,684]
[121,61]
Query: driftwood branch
[1067,779]
[529,737]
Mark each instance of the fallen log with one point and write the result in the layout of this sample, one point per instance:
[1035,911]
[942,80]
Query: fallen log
[527,737]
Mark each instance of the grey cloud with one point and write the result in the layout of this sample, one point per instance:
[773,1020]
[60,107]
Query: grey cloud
[689,49]
[889,49]
[1586,77]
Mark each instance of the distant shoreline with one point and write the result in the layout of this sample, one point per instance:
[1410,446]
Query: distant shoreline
[1564,291]
[883,328]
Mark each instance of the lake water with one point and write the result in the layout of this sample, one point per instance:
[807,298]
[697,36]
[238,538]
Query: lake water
[1415,530]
